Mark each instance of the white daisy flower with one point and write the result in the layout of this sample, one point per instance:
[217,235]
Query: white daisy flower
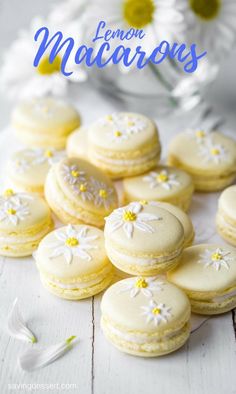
[159,19]
[214,153]
[198,135]
[72,174]
[83,190]
[103,195]
[216,259]
[13,214]
[145,286]
[20,166]
[129,218]
[20,80]
[118,135]
[164,179]
[73,243]
[9,195]
[156,313]
[41,156]
[210,24]
[129,124]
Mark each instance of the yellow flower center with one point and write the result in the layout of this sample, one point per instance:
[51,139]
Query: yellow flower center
[129,216]
[138,13]
[72,242]
[11,211]
[48,153]
[109,118]
[46,68]
[8,193]
[75,173]
[215,152]
[162,178]
[118,133]
[216,257]
[143,202]
[130,123]
[141,283]
[82,188]
[103,193]
[156,311]
[206,9]
[200,134]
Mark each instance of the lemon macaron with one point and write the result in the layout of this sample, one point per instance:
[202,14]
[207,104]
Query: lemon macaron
[72,262]
[24,220]
[145,317]
[226,215]
[77,144]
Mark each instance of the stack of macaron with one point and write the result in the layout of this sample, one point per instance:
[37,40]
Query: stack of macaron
[121,214]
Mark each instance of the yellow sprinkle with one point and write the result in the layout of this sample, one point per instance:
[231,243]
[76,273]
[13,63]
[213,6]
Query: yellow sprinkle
[75,173]
[109,118]
[215,151]
[162,178]
[200,134]
[129,216]
[216,257]
[103,193]
[141,283]
[48,153]
[118,133]
[72,242]
[156,311]
[82,188]
[8,193]
[11,211]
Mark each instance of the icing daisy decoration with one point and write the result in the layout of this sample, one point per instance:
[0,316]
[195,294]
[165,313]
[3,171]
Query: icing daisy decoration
[145,286]
[198,135]
[72,174]
[40,156]
[103,195]
[118,135]
[164,179]
[20,166]
[84,191]
[134,124]
[9,195]
[156,313]
[216,259]
[214,153]
[72,243]
[12,213]
[130,218]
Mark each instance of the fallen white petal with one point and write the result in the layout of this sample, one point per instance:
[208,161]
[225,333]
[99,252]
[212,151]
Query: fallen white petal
[16,325]
[35,359]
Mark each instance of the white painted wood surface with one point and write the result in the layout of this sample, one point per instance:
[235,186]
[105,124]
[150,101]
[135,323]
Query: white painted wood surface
[206,364]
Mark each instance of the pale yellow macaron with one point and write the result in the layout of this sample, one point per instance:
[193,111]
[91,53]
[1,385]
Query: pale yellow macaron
[145,317]
[163,183]
[72,262]
[226,215]
[210,158]
[45,122]
[124,144]
[77,144]
[143,239]
[27,169]
[207,274]
[24,220]
[79,192]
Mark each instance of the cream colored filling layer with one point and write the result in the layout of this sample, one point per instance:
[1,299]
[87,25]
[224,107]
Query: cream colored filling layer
[224,297]
[126,162]
[21,239]
[141,338]
[143,261]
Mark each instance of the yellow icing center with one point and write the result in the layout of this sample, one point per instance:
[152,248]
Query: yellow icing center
[138,13]
[46,68]
[118,133]
[103,193]
[143,202]
[72,242]
[8,193]
[141,283]
[215,152]
[156,311]
[205,9]
[200,134]
[82,188]
[75,173]
[109,118]
[216,257]
[129,216]
[11,211]
[130,123]
[48,153]
[162,178]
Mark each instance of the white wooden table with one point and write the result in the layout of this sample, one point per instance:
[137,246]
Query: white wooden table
[206,364]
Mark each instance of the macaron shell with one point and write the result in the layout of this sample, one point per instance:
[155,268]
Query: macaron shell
[227,203]
[127,312]
[193,276]
[77,143]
